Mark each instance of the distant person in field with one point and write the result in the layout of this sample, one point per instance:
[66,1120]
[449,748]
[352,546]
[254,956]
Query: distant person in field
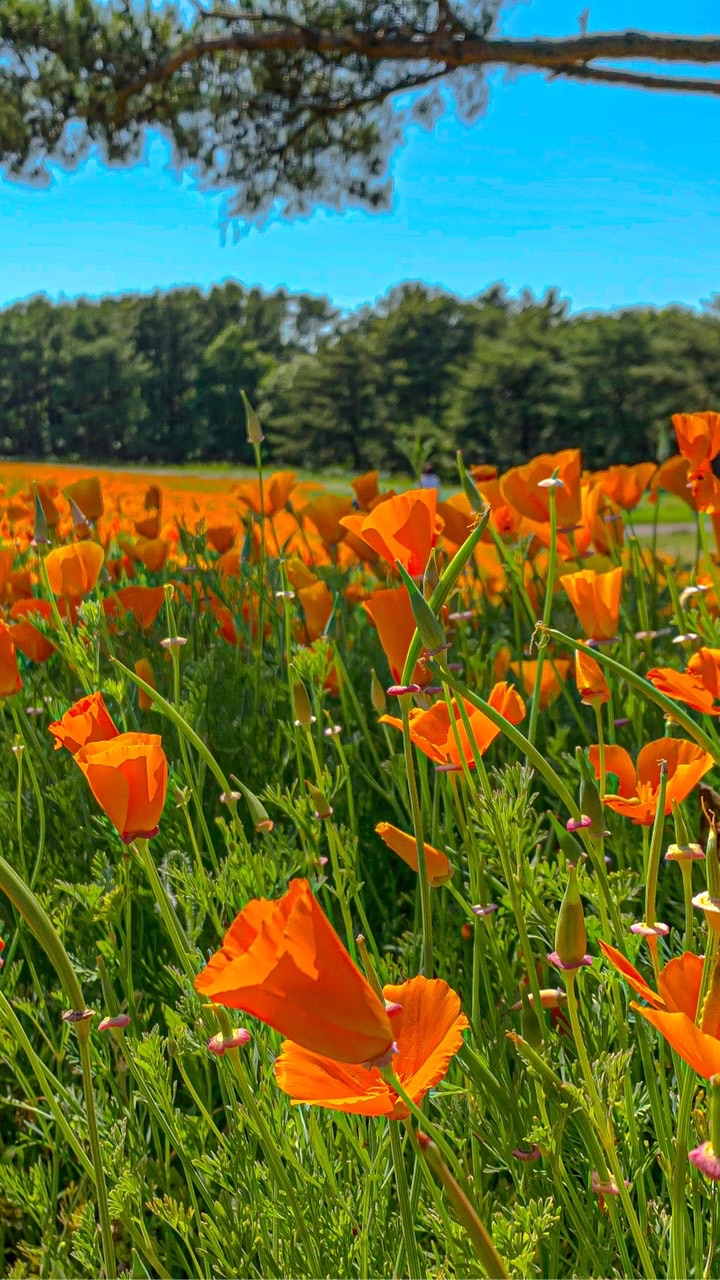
[428,478]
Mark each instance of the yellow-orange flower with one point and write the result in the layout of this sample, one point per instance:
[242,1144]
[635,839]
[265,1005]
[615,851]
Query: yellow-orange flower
[437,864]
[26,637]
[595,597]
[391,612]
[625,485]
[87,496]
[552,677]
[128,778]
[144,670]
[402,528]
[428,1032]
[144,603]
[10,681]
[591,683]
[523,488]
[74,570]
[638,792]
[85,721]
[283,963]
[433,733]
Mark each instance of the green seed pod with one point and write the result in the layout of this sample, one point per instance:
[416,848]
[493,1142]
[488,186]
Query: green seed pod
[377,693]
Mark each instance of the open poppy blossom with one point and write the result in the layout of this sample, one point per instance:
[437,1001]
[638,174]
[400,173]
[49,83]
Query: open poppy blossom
[401,528]
[391,612]
[283,962]
[87,720]
[88,497]
[144,603]
[276,491]
[27,637]
[326,511]
[552,677]
[432,730]
[698,437]
[10,681]
[595,597]
[524,488]
[75,569]
[625,485]
[698,685]
[673,1008]
[127,775]
[439,870]
[428,1033]
[638,792]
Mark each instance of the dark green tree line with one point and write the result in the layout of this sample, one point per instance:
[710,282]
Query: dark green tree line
[157,378]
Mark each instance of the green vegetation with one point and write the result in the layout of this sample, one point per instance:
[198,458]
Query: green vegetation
[157,378]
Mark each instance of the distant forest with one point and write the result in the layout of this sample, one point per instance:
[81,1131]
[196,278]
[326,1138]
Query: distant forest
[157,378]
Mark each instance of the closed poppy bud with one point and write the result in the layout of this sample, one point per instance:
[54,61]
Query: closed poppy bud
[470,489]
[128,778]
[10,681]
[40,528]
[146,673]
[529,1025]
[570,933]
[322,807]
[74,570]
[377,693]
[301,705]
[431,577]
[591,683]
[429,627]
[85,721]
[253,426]
[590,802]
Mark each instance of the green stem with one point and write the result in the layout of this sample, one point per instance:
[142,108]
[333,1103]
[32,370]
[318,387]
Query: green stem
[413,1265]
[547,616]
[83,1035]
[415,810]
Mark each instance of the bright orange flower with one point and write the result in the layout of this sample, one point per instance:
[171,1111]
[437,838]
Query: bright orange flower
[638,791]
[87,496]
[553,676]
[149,527]
[522,487]
[698,437]
[277,488]
[50,511]
[392,614]
[673,476]
[146,673]
[10,681]
[152,553]
[27,638]
[428,1035]
[439,870]
[366,489]
[674,1008]
[684,687]
[128,778]
[326,511]
[458,518]
[591,683]
[74,570]
[705,666]
[432,731]
[144,603]
[317,603]
[85,721]
[402,528]
[221,537]
[624,485]
[595,597]
[283,963]
[504,518]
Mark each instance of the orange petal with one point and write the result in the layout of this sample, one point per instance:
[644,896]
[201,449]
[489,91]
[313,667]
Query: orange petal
[699,1050]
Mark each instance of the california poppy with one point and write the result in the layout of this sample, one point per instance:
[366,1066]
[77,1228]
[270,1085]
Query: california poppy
[674,1008]
[638,792]
[673,476]
[595,597]
[391,612]
[87,496]
[523,487]
[432,731]
[128,775]
[317,602]
[366,489]
[552,677]
[144,670]
[10,681]
[326,511]
[591,683]
[26,637]
[428,1033]
[625,485]
[685,687]
[144,603]
[74,570]
[276,491]
[283,963]
[698,437]
[85,721]
[152,553]
[221,537]
[149,527]
[402,528]
[439,870]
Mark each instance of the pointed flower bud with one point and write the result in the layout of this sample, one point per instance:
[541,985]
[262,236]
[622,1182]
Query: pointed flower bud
[304,717]
[431,577]
[429,627]
[377,693]
[470,489]
[253,425]
[40,532]
[322,808]
[570,933]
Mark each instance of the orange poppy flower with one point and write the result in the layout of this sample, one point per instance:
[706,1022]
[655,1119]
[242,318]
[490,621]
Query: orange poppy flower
[366,489]
[283,963]
[149,527]
[595,597]
[152,553]
[504,518]
[638,790]
[221,537]
[553,676]
[128,775]
[27,638]
[146,673]
[429,1032]
[458,518]
[674,1008]
[87,496]
[698,437]
[624,485]
[432,731]
[684,687]
[144,603]
[705,666]
[317,603]
[591,683]
[673,476]
[391,612]
[439,870]
[522,487]
[85,721]
[277,488]
[10,681]
[326,511]
[402,528]
[50,511]
[74,570]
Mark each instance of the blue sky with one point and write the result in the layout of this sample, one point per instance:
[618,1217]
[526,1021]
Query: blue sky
[611,194]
